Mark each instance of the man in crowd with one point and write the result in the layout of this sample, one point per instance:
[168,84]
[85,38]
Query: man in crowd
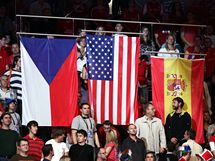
[151,129]
[133,147]
[59,147]
[48,152]
[81,151]
[177,122]
[87,123]
[150,156]
[8,138]
[107,127]
[22,146]
[35,143]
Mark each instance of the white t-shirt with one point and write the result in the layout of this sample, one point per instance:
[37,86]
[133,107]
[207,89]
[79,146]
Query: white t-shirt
[171,55]
[59,149]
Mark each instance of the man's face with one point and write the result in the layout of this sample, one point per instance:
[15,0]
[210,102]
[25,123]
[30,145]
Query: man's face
[24,147]
[106,128]
[85,110]
[4,81]
[206,117]
[150,111]
[186,135]
[61,137]
[175,105]
[6,120]
[102,153]
[15,49]
[81,138]
[3,41]
[132,130]
[119,27]
[150,157]
[34,129]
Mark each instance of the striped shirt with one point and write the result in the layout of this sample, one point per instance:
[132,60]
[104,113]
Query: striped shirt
[35,147]
[16,82]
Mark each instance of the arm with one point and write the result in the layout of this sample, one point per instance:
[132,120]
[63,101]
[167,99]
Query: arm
[156,40]
[74,137]
[96,139]
[69,136]
[184,40]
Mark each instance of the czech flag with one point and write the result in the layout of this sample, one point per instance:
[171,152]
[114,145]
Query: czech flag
[49,81]
[178,77]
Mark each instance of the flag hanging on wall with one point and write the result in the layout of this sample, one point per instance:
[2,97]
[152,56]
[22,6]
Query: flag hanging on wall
[112,69]
[178,77]
[49,81]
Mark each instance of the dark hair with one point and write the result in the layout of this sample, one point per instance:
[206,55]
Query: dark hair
[47,149]
[107,122]
[151,152]
[20,140]
[15,60]
[5,113]
[32,123]
[83,132]
[58,132]
[191,133]
[179,100]
[130,125]
[84,104]
[146,106]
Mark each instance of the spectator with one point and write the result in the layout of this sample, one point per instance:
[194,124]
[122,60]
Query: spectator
[81,151]
[111,146]
[150,156]
[101,156]
[212,138]
[211,87]
[4,61]
[99,31]
[48,152]
[195,49]
[190,136]
[207,123]
[22,147]
[15,81]
[15,51]
[133,147]
[177,122]
[186,153]
[169,49]
[59,147]
[15,117]
[35,143]
[106,128]
[6,92]
[8,138]
[150,128]
[119,28]
[87,123]
[82,60]
[210,34]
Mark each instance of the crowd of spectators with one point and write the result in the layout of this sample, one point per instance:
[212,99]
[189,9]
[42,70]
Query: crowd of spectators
[148,136]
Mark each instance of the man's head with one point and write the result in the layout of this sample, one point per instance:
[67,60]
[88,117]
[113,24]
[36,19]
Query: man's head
[150,156]
[81,136]
[132,130]
[149,110]
[85,109]
[23,145]
[177,103]
[190,134]
[107,126]
[5,119]
[207,117]
[48,150]
[102,154]
[4,81]
[58,134]
[32,127]
[2,40]
[119,27]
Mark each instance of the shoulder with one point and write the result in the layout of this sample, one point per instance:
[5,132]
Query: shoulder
[139,120]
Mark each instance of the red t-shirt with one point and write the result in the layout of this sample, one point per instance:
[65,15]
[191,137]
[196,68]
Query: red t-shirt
[4,60]
[35,147]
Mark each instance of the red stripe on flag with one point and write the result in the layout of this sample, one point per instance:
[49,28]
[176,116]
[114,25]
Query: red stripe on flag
[66,100]
[197,93]
[128,92]
[119,112]
[94,98]
[157,72]
[111,102]
[103,97]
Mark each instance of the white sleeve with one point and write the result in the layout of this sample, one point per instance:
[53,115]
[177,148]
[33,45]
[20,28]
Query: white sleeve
[212,145]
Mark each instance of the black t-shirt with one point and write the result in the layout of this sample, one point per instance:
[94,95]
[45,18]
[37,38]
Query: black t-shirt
[81,152]
[18,157]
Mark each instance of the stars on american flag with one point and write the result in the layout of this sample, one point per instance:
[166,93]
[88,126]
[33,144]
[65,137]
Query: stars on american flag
[100,57]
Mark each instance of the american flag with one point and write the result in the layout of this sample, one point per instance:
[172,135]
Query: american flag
[112,70]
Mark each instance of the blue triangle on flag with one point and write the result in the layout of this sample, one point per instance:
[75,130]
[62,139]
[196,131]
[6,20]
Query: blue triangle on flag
[48,54]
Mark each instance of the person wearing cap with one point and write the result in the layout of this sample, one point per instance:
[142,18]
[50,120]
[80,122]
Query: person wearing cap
[206,155]
[186,153]
[15,117]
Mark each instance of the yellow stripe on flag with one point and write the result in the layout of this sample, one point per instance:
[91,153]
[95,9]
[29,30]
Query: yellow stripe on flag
[177,83]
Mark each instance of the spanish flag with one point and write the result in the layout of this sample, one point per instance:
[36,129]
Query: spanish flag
[178,77]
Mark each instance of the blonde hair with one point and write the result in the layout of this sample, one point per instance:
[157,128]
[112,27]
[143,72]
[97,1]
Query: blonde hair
[65,158]
[111,136]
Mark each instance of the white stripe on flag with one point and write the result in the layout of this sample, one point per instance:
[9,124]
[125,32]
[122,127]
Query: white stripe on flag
[98,101]
[107,92]
[124,80]
[34,88]
[115,80]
